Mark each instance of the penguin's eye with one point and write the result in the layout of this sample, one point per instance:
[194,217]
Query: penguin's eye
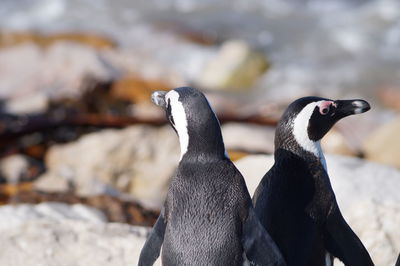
[325,107]
[324,110]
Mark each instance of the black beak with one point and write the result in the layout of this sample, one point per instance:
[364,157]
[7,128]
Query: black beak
[350,107]
[158,97]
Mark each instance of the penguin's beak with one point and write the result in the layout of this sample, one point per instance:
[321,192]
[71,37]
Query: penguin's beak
[158,97]
[350,107]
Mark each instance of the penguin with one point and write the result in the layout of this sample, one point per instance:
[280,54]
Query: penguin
[295,201]
[207,217]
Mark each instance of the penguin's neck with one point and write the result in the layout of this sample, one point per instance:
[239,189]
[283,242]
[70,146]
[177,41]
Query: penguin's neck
[309,150]
[314,147]
[202,148]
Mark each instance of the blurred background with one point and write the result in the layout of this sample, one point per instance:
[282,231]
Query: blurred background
[86,158]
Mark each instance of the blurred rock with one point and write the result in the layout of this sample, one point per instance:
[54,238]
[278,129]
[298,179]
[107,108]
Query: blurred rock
[367,194]
[186,32]
[335,143]
[35,104]
[18,168]
[62,70]
[136,89]
[13,168]
[349,134]
[383,145]
[50,212]
[249,138]
[49,183]
[390,97]
[115,209]
[235,67]
[8,39]
[138,160]
[178,62]
[253,168]
[66,235]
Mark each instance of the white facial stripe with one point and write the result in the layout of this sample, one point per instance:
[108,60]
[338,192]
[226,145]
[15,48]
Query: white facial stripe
[300,125]
[179,115]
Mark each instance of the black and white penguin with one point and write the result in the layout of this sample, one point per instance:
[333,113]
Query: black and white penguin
[207,218]
[295,201]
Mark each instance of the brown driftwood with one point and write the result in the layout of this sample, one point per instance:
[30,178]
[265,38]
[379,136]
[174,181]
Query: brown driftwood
[116,210]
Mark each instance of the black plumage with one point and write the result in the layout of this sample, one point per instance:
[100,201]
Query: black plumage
[207,218]
[295,201]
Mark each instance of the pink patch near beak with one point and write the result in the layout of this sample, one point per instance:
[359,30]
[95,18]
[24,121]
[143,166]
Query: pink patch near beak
[324,107]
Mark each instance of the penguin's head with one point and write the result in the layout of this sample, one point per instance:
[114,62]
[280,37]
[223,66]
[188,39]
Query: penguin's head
[190,114]
[308,119]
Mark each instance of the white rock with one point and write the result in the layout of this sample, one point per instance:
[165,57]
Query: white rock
[254,138]
[383,144]
[31,75]
[236,66]
[38,238]
[367,194]
[36,103]
[138,160]
[14,167]
[48,211]
[253,168]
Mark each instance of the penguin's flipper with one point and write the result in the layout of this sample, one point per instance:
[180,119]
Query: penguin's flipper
[259,247]
[151,249]
[343,243]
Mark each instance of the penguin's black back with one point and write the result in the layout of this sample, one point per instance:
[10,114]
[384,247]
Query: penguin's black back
[205,207]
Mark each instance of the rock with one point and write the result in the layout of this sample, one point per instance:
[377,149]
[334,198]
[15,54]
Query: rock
[49,183]
[179,62]
[61,70]
[18,168]
[249,138]
[383,145]
[138,160]
[335,143]
[348,135]
[390,97]
[35,104]
[13,168]
[136,89]
[13,215]
[235,67]
[63,235]
[253,168]
[367,194]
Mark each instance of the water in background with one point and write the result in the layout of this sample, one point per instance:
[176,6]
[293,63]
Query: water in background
[332,48]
